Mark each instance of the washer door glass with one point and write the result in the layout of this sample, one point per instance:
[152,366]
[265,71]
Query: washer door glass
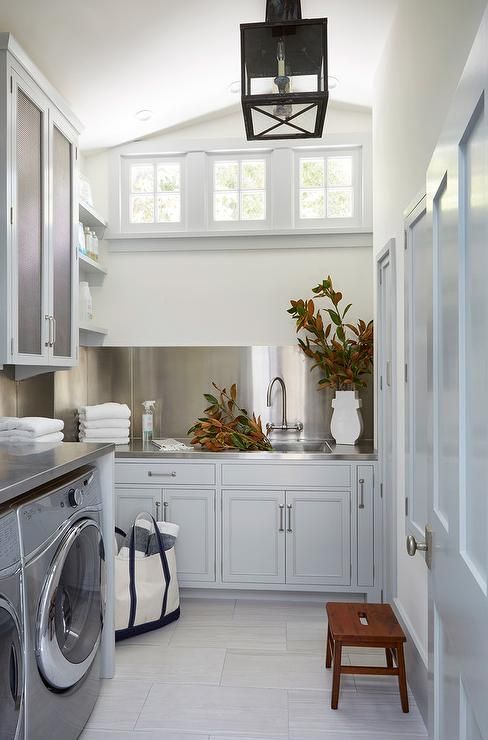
[70,615]
[11,676]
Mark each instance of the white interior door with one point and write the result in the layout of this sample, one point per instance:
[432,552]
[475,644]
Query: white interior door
[457,202]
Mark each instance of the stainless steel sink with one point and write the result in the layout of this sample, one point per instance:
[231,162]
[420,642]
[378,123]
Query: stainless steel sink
[281,445]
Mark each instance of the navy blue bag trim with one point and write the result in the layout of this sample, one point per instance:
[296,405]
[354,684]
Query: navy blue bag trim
[132,630]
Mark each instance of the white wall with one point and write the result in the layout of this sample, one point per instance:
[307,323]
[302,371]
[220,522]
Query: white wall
[221,298]
[421,65]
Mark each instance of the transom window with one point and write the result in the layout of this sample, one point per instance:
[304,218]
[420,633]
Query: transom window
[328,186]
[239,190]
[154,192]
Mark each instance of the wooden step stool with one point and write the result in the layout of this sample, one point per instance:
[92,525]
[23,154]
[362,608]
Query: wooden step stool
[365,625]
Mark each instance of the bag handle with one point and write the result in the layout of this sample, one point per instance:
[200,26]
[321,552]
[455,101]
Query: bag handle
[132,568]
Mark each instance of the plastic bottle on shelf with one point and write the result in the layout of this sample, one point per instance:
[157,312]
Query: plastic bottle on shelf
[88,242]
[94,244]
[86,304]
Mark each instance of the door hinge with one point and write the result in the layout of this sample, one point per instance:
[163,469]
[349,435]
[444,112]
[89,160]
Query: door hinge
[381,490]
[11,215]
[381,277]
[11,84]
[381,382]
[373,572]
[406,507]
[76,153]
[350,571]
[406,373]
[381,595]
[11,345]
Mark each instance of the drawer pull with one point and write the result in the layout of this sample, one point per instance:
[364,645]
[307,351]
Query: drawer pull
[162,475]
[361,493]
[158,510]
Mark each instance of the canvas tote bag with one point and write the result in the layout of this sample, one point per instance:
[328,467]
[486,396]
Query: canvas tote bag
[146,587]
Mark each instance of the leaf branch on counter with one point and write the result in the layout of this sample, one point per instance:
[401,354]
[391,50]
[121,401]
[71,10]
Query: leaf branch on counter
[227,426]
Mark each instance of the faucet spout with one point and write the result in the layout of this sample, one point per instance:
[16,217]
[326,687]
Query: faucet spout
[278,379]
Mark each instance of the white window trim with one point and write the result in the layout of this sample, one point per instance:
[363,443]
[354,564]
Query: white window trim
[240,224]
[357,185]
[127,161]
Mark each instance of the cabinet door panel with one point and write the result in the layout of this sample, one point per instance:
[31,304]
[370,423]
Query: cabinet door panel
[318,547]
[29,196]
[194,512]
[365,523]
[253,545]
[62,246]
[129,502]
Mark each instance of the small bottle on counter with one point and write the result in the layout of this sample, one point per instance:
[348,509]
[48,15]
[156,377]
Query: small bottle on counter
[148,422]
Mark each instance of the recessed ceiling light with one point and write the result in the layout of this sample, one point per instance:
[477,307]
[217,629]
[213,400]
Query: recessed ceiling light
[144,114]
[235,87]
[333,82]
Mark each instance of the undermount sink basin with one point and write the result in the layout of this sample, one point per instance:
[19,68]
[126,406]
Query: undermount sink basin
[281,445]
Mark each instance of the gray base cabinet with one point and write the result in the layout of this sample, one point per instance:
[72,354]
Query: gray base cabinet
[318,537]
[253,541]
[278,525]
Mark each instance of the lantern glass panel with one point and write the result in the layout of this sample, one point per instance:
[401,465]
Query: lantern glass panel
[284,120]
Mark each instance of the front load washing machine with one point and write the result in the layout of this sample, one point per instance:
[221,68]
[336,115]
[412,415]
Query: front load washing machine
[63,590]
[11,634]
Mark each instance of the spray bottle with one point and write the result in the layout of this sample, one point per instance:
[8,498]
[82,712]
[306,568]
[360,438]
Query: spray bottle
[148,421]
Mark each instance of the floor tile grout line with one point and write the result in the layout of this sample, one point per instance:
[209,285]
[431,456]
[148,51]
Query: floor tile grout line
[223,667]
[143,705]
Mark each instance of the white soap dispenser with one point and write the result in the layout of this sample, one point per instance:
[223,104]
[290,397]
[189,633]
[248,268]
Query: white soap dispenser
[148,421]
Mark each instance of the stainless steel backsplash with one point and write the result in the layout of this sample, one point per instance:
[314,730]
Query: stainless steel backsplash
[177,377]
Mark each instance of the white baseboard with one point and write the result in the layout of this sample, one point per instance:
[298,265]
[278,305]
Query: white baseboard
[301,597]
[417,662]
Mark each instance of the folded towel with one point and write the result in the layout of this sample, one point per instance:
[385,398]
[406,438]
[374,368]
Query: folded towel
[105,424]
[106,440]
[104,411]
[20,438]
[18,434]
[7,422]
[88,434]
[38,425]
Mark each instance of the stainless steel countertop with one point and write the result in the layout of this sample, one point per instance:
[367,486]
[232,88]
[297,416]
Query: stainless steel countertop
[26,466]
[364,450]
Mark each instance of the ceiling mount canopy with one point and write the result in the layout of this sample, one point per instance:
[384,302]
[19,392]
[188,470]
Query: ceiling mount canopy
[284,74]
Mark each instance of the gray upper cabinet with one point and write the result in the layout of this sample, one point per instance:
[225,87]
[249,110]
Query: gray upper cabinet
[38,205]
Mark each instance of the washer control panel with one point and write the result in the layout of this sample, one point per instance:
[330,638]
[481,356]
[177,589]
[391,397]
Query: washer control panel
[42,516]
[9,541]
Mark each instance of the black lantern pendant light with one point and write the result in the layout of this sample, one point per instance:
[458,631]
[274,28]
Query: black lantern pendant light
[284,74]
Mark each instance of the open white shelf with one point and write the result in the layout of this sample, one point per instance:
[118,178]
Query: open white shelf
[91,335]
[90,217]
[90,267]
[93,328]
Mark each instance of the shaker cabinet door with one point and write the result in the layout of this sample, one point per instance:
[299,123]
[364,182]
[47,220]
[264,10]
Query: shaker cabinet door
[29,235]
[318,538]
[194,511]
[253,536]
[129,502]
[63,255]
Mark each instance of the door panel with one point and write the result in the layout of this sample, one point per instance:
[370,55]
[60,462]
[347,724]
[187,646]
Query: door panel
[29,234]
[458,601]
[253,536]
[194,512]
[318,546]
[129,502]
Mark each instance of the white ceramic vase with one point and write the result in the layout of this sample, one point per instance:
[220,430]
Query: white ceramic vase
[346,424]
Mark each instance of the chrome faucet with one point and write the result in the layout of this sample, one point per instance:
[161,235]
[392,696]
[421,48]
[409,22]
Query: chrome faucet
[284,422]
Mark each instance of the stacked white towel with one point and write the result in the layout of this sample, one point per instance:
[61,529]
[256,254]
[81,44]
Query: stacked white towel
[31,429]
[106,422]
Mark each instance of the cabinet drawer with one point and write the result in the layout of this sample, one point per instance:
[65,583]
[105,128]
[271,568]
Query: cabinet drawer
[287,475]
[165,473]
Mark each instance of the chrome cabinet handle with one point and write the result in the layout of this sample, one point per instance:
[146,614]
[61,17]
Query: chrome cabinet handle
[54,331]
[165,509]
[158,509]
[162,475]
[49,342]
[289,506]
[361,494]
[281,529]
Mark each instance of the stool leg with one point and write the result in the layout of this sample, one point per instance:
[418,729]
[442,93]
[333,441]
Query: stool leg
[336,678]
[402,678]
[389,657]
[328,651]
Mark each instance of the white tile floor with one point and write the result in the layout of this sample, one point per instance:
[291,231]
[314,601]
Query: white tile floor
[244,670]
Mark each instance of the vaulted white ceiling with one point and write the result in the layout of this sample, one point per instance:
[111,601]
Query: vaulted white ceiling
[111,58]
